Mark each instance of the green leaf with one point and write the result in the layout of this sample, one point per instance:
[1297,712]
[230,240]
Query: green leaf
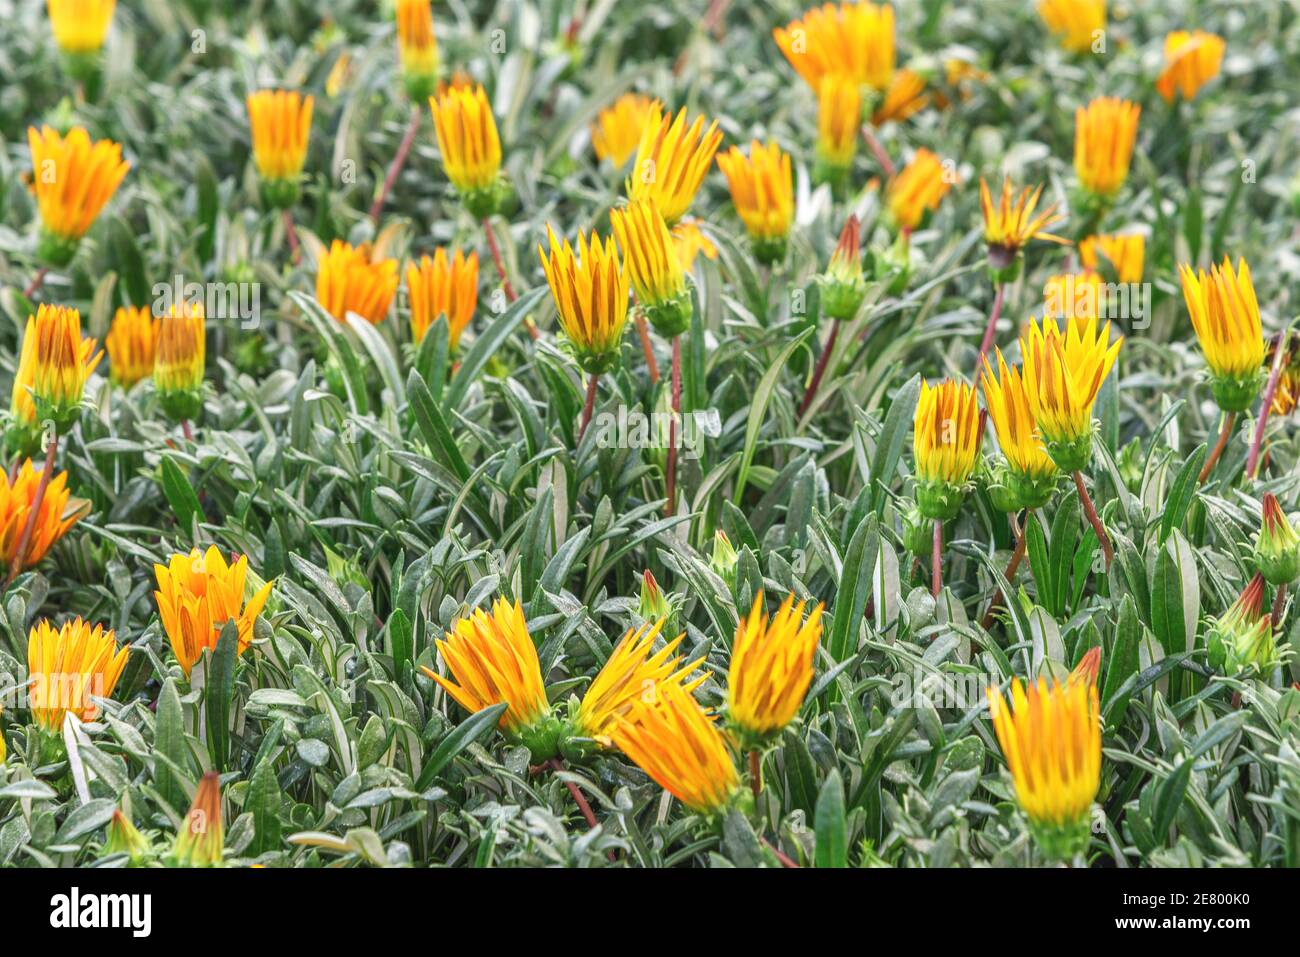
[1122,658]
[758,410]
[1175,598]
[219,694]
[889,444]
[1169,798]
[1181,492]
[487,343]
[401,640]
[263,800]
[180,495]
[470,730]
[830,828]
[855,588]
[169,741]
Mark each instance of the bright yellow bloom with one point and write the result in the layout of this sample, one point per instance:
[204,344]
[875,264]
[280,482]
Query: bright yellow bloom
[1076,23]
[1012,224]
[443,286]
[654,266]
[340,75]
[494,660]
[591,295]
[855,39]
[417,46]
[80,26]
[945,443]
[1287,395]
[179,361]
[1051,739]
[63,363]
[690,241]
[69,665]
[839,115]
[676,743]
[201,839]
[1104,133]
[906,95]
[132,344]
[349,279]
[771,666]
[197,594]
[671,161]
[618,128]
[917,189]
[762,190]
[469,144]
[1225,315]
[1033,472]
[1191,61]
[632,673]
[73,179]
[1125,254]
[280,122]
[52,521]
[1073,295]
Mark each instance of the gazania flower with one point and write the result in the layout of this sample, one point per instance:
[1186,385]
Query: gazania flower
[1050,737]
[1277,548]
[1010,226]
[443,286]
[917,189]
[771,668]
[1104,133]
[80,26]
[73,179]
[842,285]
[652,603]
[671,161]
[61,365]
[839,113]
[1191,60]
[470,146]
[618,128]
[653,266]
[762,190]
[905,96]
[1089,667]
[1243,636]
[855,39]
[132,344]
[1076,295]
[591,296]
[197,594]
[350,279]
[179,361]
[1076,23]
[280,121]
[201,839]
[1124,253]
[68,666]
[690,241]
[1031,474]
[340,75]
[52,521]
[123,837]
[25,428]
[1287,395]
[1063,373]
[417,48]
[673,741]
[1225,315]
[945,442]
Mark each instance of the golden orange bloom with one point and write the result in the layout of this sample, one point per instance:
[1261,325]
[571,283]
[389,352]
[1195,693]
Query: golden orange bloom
[1125,253]
[1032,473]
[1191,61]
[853,38]
[201,839]
[762,190]
[180,359]
[676,743]
[690,241]
[280,122]
[671,161]
[69,665]
[132,344]
[469,144]
[618,128]
[197,594]
[1073,295]
[771,666]
[349,279]
[1010,225]
[1287,395]
[653,266]
[917,189]
[906,96]
[73,179]
[1225,315]
[63,363]
[1076,23]
[58,513]
[80,26]
[945,443]
[839,115]
[1104,133]
[591,296]
[443,286]
[417,47]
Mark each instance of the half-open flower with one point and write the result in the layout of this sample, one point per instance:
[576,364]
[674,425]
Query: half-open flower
[1077,24]
[280,124]
[1124,253]
[68,668]
[470,146]
[653,266]
[905,96]
[945,442]
[58,513]
[1191,60]
[417,47]
[1011,224]
[617,131]
[839,115]
[201,839]
[1277,548]
[445,286]
[132,345]
[762,190]
[352,279]
[591,294]
[73,179]
[1104,133]
[842,285]
[1225,315]
[63,363]
[855,39]
[671,161]
[1030,474]
[80,26]
[179,361]
[1242,637]
[771,669]
[918,189]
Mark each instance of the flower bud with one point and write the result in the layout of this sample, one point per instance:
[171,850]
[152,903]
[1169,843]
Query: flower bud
[1243,635]
[842,285]
[724,558]
[1277,549]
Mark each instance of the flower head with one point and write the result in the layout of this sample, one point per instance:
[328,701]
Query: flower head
[1125,253]
[470,146]
[1242,637]
[1031,473]
[689,240]
[852,38]
[351,279]
[1287,395]
[917,189]
[197,594]
[80,26]
[724,559]
[671,161]
[1076,23]
[280,121]
[771,667]
[591,294]
[1050,736]
[653,266]
[63,361]
[762,190]
[73,179]
[1010,225]
[67,667]
[1191,60]
[201,840]
[945,442]
[132,344]
[652,603]
[1225,315]
[618,128]
[1104,133]
[417,47]
[839,113]
[179,361]
[25,430]
[52,521]
[842,285]
[443,286]
[1277,548]
[905,96]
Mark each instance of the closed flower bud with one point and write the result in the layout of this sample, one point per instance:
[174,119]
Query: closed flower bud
[123,838]
[1243,635]
[201,842]
[1277,549]
[470,146]
[842,285]
[945,439]
[179,364]
[417,47]
[724,558]
[653,604]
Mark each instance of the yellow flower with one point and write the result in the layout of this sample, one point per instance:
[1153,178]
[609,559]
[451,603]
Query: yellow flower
[179,361]
[855,39]
[653,266]
[280,122]
[1287,395]
[52,521]
[470,146]
[917,189]
[591,296]
[1010,225]
[80,26]
[673,741]
[132,344]
[69,665]
[443,287]
[1191,61]
[839,113]
[63,363]
[1051,739]
[671,161]
[417,47]
[771,667]
[73,179]
[197,594]
[1032,473]
[1104,133]
[906,95]
[1225,315]
[1073,295]
[349,279]
[339,76]
[762,190]
[201,839]
[690,241]
[1076,23]
[1125,254]
[1063,374]
[945,442]
[618,128]
[494,660]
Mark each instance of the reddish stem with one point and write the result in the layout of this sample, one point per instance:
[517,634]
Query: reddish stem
[936,559]
[187,430]
[589,405]
[670,480]
[399,160]
[1256,442]
[25,540]
[820,370]
[497,261]
[643,330]
[882,157]
[1224,434]
[291,237]
[38,280]
[999,296]
[1091,512]
[785,859]
[1279,605]
[578,797]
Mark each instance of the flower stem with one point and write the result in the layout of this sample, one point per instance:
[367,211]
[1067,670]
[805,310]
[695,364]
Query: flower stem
[882,157]
[187,430]
[785,859]
[756,772]
[38,280]
[999,296]
[1257,440]
[24,541]
[1228,420]
[936,560]
[643,330]
[1090,510]
[497,261]
[399,160]
[822,361]
[589,405]
[291,237]
[1279,606]
[578,797]
[670,478]
[1017,556]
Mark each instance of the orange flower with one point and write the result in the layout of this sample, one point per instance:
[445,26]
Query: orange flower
[61,364]
[132,343]
[1104,133]
[349,280]
[617,129]
[69,665]
[417,47]
[1191,61]
[671,161]
[443,287]
[52,521]
[906,95]
[855,39]
[1125,254]
[917,189]
[280,122]
[73,179]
